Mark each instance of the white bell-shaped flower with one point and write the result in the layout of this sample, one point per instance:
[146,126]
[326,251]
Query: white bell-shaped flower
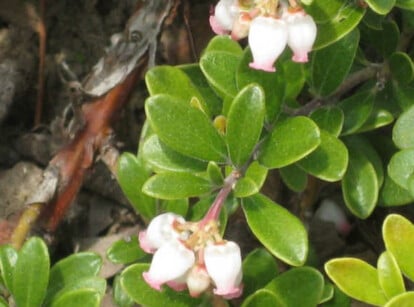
[198,280]
[330,211]
[170,262]
[160,230]
[224,265]
[224,16]
[267,40]
[301,34]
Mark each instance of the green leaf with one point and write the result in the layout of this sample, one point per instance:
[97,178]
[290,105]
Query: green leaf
[31,273]
[294,177]
[402,132]
[176,185]
[272,84]
[328,292]
[330,65]
[223,43]
[389,275]
[357,110]
[357,279]
[278,230]
[185,129]
[97,284]
[298,287]
[252,181]
[360,185]
[401,167]
[405,4]
[8,259]
[177,206]
[339,299]
[291,140]
[377,119]
[262,297]
[131,176]
[211,99]
[215,173]
[392,194]
[398,234]
[402,67]
[81,297]
[404,299]
[125,251]
[329,161]
[69,271]
[329,119]
[174,82]
[162,158]
[121,298]
[259,268]
[384,41]
[324,10]
[220,69]
[134,285]
[403,94]
[244,123]
[381,7]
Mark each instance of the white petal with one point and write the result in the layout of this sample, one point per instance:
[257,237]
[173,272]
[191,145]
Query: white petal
[225,13]
[301,35]
[198,280]
[224,265]
[160,230]
[170,262]
[267,40]
[330,211]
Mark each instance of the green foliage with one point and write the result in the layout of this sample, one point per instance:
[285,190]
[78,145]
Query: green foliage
[31,281]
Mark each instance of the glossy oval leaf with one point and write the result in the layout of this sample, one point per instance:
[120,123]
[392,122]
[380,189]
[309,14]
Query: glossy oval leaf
[381,7]
[31,273]
[323,10]
[329,161]
[357,110]
[360,186]
[176,185]
[278,230]
[402,67]
[405,4]
[329,119]
[121,298]
[223,43]
[383,41]
[131,175]
[177,206]
[220,69]
[81,297]
[401,167]
[377,119]
[393,194]
[162,158]
[125,251]
[71,270]
[298,287]
[291,140]
[259,268]
[132,282]
[185,129]
[357,279]
[330,65]
[404,299]
[398,234]
[244,123]
[294,177]
[389,275]
[8,258]
[174,82]
[402,132]
[252,181]
[215,173]
[262,297]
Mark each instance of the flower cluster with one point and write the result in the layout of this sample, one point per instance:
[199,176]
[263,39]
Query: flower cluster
[191,255]
[269,26]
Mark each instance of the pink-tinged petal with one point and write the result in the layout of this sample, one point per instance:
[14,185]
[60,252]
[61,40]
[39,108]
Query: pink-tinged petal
[330,211]
[267,40]
[301,34]
[224,265]
[177,286]
[198,280]
[216,26]
[160,230]
[170,263]
[225,13]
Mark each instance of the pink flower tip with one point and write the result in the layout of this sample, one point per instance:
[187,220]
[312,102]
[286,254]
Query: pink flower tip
[144,244]
[216,27]
[300,58]
[151,281]
[230,293]
[264,67]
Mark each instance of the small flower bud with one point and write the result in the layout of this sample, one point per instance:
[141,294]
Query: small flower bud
[224,16]
[170,262]
[301,34]
[330,211]
[160,230]
[267,39]
[223,264]
[198,280]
